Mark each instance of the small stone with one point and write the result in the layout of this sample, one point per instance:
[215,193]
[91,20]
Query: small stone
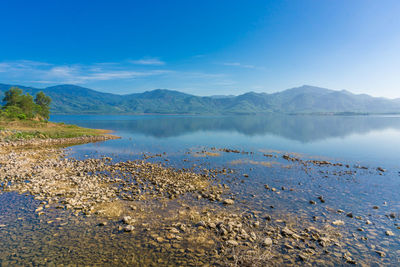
[170,236]
[212,225]
[381,253]
[229,201]
[39,209]
[127,219]
[129,228]
[287,232]
[303,257]
[253,236]
[201,223]
[232,242]
[389,233]
[174,230]
[351,261]
[312,202]
[267,242]
[338,222]
[368,222]
[288,246]
[350,215]
[375,207]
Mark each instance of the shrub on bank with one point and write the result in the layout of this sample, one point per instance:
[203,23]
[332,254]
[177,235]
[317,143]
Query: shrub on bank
[23,106]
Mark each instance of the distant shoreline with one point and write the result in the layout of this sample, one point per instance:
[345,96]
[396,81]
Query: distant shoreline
[244,114]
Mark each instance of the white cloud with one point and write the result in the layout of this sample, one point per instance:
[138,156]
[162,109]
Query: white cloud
[148,61]
[111,75]
[20,65]
[237,64]
[42,72]
[63,71]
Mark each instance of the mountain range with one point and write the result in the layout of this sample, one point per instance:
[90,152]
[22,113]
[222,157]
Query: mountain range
[72,99]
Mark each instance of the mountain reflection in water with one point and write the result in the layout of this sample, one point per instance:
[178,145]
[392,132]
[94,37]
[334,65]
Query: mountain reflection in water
[304,128]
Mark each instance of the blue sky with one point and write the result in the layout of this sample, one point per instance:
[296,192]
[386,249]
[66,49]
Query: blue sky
[203,47]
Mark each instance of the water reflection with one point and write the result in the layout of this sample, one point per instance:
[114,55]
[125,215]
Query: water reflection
[305,129]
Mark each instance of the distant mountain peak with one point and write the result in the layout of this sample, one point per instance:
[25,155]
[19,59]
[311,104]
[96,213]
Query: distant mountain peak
[221,96]
[164,92]
[68,87]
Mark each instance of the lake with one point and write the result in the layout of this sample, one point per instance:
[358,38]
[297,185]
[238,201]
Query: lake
[313,169]
[365,139]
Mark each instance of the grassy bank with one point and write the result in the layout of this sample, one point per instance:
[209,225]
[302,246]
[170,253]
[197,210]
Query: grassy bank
[28,129]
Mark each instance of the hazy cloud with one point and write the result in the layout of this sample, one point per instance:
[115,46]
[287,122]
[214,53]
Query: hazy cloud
[42,72]
[237,64]
[117,77]
[148,61]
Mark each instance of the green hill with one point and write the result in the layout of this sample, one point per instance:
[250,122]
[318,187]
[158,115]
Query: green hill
[72,99]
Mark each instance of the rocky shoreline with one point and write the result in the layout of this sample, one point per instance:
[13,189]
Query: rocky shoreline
[5,143]
[179,210]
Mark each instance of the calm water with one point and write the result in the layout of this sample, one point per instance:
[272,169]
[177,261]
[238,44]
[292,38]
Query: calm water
[371,140]
[368,141]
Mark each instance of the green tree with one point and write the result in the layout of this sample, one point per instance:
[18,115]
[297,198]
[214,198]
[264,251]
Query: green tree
[13,112]
[12,96]
[28,107]
[18,105]
[43,101]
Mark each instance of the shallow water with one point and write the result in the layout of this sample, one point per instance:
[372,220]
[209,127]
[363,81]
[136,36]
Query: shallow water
[366,139]
[362,143]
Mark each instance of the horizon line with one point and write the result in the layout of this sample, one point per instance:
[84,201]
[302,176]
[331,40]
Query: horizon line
[219,95]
